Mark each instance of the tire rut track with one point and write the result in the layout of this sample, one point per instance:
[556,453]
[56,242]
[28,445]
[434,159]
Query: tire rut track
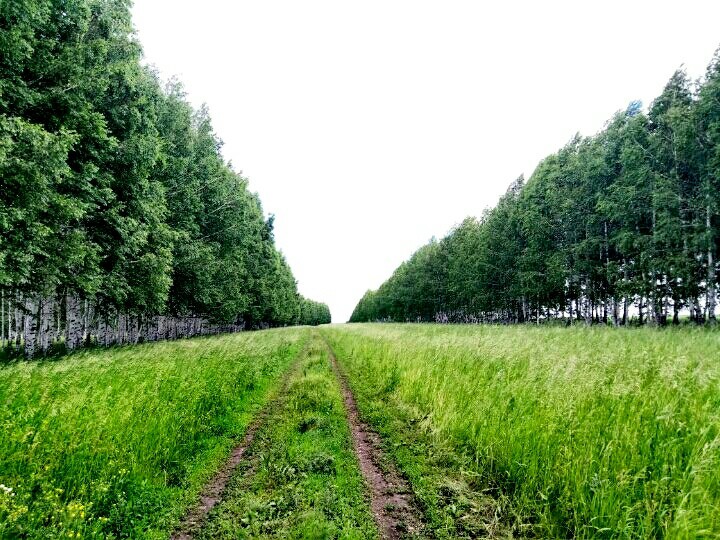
[212,493]
[391,499]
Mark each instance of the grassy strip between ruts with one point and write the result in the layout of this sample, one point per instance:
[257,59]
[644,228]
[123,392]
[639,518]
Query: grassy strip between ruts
[117,443]
[546,432]
[300,477]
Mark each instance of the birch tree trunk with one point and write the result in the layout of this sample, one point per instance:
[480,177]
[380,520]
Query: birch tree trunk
[18,325]
[615,312]
[8,311]
[625,311]
[2,320]
[155,332]
[10,320]
[40,338]
[132,329]
[106,331]
[30,327]
[711,295]
[121,329]
[58,312]
[74,323]
[86,324]
[588,306]
[47,315]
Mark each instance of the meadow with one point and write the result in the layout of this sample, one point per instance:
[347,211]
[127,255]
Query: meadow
[500,431]
[117,443]
[546,432]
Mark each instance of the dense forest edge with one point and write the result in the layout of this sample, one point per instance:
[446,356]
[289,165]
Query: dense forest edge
[619,227]
[120,220]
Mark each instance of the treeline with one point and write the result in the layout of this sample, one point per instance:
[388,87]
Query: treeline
[621,225]
[117,209]
[314,313]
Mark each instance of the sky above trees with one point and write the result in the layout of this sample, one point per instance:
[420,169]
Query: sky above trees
[369,128]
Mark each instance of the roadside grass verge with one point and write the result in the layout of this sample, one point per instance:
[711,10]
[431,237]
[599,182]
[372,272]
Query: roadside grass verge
[300,477]
[546,432]
[116,443]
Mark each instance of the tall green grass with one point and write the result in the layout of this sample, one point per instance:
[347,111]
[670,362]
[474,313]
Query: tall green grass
[115,443]
[547,432]
[300,478]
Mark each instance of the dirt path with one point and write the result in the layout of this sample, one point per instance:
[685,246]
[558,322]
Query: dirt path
[213,491]
[391,499]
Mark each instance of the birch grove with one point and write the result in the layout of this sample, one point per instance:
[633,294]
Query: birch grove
[120,220]
[620,227]
[30,328]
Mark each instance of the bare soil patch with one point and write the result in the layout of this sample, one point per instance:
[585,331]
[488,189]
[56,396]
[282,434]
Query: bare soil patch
[391,498]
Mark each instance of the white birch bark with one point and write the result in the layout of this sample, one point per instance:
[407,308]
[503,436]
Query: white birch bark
[8,321]
[106,331]
[711,294]
[2,319]
[588,306]
[86,323]
[118,330]
[58,310]
[73,322]
[30,327]
[131,329]
[10,333]
[18,324]
[155,332]
[40,337]
[47,315]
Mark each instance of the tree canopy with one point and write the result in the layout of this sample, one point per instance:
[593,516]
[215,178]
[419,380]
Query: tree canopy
[624,223]
[114,189]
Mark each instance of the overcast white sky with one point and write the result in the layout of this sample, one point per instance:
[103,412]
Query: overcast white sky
[368,127]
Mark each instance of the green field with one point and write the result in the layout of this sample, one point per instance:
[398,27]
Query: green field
[118,442]
[501,432]
[547,432]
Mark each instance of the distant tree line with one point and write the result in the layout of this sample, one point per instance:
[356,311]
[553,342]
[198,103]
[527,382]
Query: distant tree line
[119,218]
[314,313]
[623,224]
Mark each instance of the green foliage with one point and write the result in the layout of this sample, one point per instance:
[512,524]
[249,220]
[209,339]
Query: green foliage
[115,444]
[33,163]
[630,216]
[546,432]
[313,313]
[113,188]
